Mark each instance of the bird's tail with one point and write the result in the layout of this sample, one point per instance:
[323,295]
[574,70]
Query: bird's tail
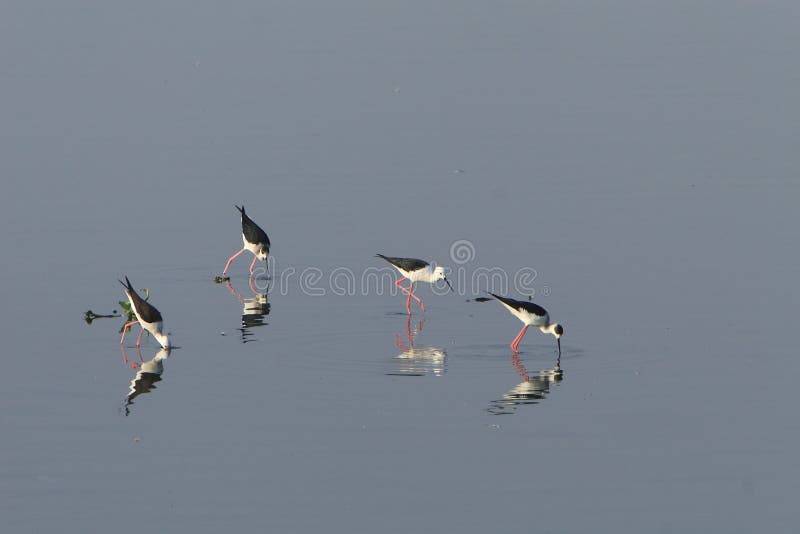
[380,256]
[127,283]
[240,208]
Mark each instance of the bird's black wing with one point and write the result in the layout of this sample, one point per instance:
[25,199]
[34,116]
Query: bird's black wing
[146,311]
[407,264]
[529,307]
[253,232]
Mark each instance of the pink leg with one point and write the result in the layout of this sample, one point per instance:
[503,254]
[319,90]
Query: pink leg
[252,265]
[421,304]
[411,295]
[139,339]
[125,330]
[515,343]
[401,288]
[231,259]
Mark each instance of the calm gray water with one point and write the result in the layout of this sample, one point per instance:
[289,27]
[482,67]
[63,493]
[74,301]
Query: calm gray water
[633,164]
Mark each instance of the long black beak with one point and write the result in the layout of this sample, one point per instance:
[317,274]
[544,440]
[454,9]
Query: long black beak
[558,339]
[448,285]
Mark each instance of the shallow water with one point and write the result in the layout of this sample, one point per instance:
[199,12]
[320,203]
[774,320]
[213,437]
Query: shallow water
[633,168]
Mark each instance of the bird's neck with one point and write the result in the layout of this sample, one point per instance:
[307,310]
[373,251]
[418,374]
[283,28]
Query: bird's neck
[549,328]
[163,340]
[428,275]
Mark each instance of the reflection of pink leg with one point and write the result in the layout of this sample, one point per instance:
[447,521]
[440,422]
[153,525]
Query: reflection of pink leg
[252,265]
[234,292]
[231,259]
[125,330]
[399,344]
[515,343]
[253,286]
[515,361]
[132,365]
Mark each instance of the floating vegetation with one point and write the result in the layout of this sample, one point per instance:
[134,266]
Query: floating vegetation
[480,299]
[221,279]
[127,312]
[90,316]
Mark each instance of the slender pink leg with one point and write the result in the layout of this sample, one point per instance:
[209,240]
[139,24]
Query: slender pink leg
[411,295]
[125,330]
[139,339]
[252,265]
[401,288]
[421,304]
[515,343]
[231,259]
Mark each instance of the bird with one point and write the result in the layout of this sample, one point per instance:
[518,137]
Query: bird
[148,317]
[531,315]
[254,239]
[415,270]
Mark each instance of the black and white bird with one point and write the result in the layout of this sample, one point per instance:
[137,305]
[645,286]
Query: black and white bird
[415,270]
[148,317]
[254,239]
[531,315]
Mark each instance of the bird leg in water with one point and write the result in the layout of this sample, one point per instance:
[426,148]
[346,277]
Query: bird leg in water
[231,259]
[410,292]
[515,343]
[125,330]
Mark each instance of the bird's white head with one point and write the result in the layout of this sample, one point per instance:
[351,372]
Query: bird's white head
[440,274]
[558,331]
[163,340]
[262,253]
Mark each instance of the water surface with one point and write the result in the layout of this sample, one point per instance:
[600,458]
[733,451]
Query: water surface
[636,163]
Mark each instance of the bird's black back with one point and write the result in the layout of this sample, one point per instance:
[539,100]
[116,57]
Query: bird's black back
[251,231]
[529,307]
[407,264]
[146,311]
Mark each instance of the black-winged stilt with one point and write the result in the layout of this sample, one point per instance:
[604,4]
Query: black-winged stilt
[531,315]
[415,270]
[148,317]
[254,239]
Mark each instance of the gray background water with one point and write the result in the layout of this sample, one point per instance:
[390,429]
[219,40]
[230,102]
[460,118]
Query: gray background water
[640,156]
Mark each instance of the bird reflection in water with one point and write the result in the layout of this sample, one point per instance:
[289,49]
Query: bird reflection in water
[414,360]
[147,374]
[254,308]
[532,389]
